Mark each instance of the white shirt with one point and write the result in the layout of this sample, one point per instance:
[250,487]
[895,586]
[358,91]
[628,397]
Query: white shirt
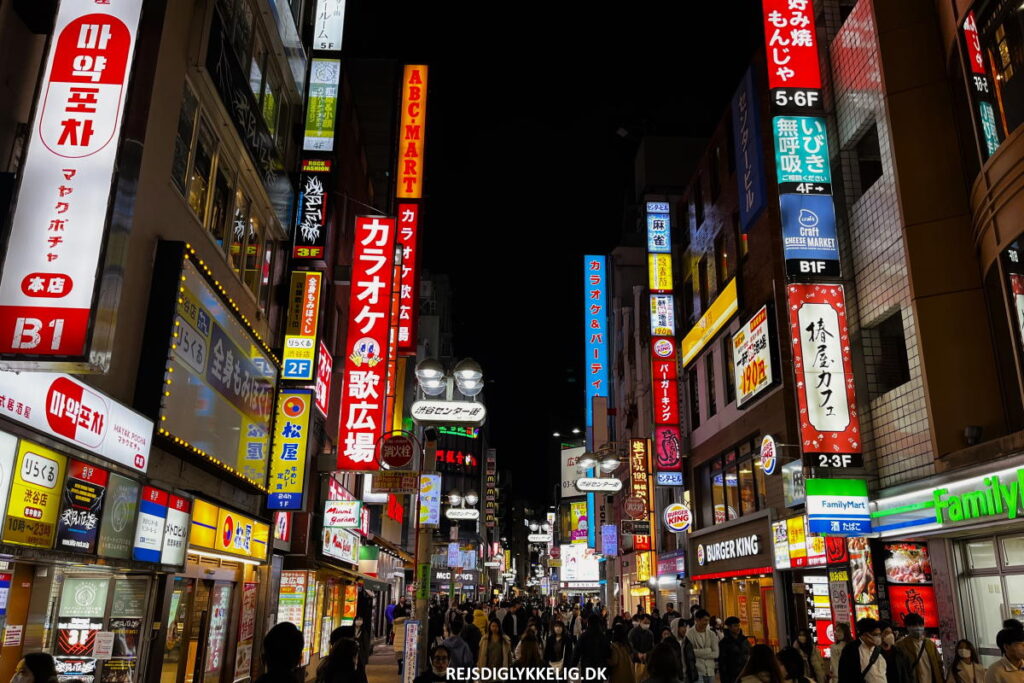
[877,672]
[705,648]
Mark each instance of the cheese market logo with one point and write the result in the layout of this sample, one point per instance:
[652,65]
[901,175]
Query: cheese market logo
[995,498]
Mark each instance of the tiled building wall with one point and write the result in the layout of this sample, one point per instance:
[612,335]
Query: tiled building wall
[895,423]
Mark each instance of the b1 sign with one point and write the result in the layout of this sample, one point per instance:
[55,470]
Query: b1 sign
[50,270]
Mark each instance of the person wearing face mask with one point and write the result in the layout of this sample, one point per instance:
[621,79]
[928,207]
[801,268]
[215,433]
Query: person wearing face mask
[965,667]
[35,667]
[687,660]
[1009,669]
[862,660]
[558,649]
[814,663]
[620,660]
[897,664]
[733,650]
[438,666]
[705,645]
[840,636]
[793,665]
[641,639]
[761,667]
[926,666]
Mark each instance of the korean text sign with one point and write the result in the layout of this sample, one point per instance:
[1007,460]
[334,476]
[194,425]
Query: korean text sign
[408,235]
[791,44]
[595,286]
[291,436]
[411,137]
[746,130]
[50,271]
[821,359]
[364,381]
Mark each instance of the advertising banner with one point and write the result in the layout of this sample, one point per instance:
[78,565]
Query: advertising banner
[663,315]
[408,297]
[658,228]
[838,507]
[746,144]
[35,496]
[720,312]
[322,107]
[324,372]
[752,358]
[596,334]
[328,29]
[578,522]
[362,402]
[791,44]
[609,540]
[341,544]
[412,136]
[119,512]
[299,355]
[311,223]
[801,155]
[79,522]
[824,375]
[291,434]
[809,239]
[149,532]
[52,259]
[176,529]
[342,514]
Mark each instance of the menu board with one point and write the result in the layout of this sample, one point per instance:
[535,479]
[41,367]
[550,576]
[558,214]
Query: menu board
[292,597]
[907,563]
[35,496]
[117,529]
[79,522]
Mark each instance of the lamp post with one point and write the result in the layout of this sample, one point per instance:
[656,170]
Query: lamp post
[434,381]
[460,500]
[606,459]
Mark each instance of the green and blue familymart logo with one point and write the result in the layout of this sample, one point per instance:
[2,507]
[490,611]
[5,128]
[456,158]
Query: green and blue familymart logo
[996,495]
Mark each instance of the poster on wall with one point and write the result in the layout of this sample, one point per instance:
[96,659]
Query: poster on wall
[916,599]
[35,496]
[862,574]
[118,526]
[752,358]
[246,631]
[81,505]
[907,563]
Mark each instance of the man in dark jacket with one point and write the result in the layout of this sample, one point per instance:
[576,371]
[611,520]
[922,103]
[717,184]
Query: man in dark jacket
[641,639]
[471,634]
[687,657]
[510,625]
[862,660]
[733,651]
[593,649]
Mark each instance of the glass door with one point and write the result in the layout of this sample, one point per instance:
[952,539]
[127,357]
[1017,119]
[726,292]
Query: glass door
[217,633]
[177,640]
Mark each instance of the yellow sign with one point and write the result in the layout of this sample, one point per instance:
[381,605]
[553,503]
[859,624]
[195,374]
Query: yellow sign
[288,457]
[659,268]
[203,533]
[721,309]
[299,356]
[639,592]
[226,531]
[35,496]
[411,135]
[797,539]
[643,566]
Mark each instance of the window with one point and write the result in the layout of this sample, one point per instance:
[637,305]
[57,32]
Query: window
[698,203]
[257,64]
[885,348]
[183,137]
[221,204]
[714,173]
[717,492]
[869,159]
[1001,32]
[691,381]
[728,369]
[709,373]
[202,170]
[736,482]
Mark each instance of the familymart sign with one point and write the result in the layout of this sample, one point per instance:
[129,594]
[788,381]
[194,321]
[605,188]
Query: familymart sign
[988,497]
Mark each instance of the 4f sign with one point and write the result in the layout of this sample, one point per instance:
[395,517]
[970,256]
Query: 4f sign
[50,270]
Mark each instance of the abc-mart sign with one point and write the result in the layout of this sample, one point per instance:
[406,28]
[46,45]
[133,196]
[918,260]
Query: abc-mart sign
[62,407]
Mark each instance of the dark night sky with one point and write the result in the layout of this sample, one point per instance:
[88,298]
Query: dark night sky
[525,172]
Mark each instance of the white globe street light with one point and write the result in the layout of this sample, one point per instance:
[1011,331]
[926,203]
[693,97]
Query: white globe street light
[471,498]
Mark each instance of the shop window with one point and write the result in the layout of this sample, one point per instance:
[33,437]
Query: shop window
[748,495]
[869,159]
[691,382]
[737,484]
[218,222]
[253,265]
[270,104]
[760,485]
[732,489]
[728,370]
[981,554]
[1001,31]
[202,170]
[709,373]
[717,491]
[1013,552]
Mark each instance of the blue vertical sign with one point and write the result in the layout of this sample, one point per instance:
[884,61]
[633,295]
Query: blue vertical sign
[658,223]
[595,295]
[746,131]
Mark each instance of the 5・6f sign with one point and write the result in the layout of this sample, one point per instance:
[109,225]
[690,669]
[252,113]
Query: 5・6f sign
[49,274]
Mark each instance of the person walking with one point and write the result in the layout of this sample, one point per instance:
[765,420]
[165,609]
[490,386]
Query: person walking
[342,664]
[687,660]
[898,668]
[364,637]
[814,663]
[495,648]
[662,665]
[528,654]
[620,661]
[558,649]
[641,640]
[575,623]
[593,649]
[926,666]
[705,646]
[510,625]
[965,667]
[471,634]
[1009,669]
[733,651]
[761,667]
[840,637]
[282,652]
[437,667]
[862,661]
[459,654]
[793,665]
[389,617]
[399,643]
[670,613]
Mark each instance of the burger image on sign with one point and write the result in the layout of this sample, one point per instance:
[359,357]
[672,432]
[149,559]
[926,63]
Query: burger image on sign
[677,517]
[769,455]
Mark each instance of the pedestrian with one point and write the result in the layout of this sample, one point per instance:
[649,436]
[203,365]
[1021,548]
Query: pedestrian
[593,649]
[576,622]
[437,667]
[965,667]
[510,625]
[342,664]
[898,667]
[662,665]
[459,654]
[528,654]
[814,663]
[282,652]
[495,648]
[472,635]
[389,616]
[687,660]
[670,612]
[656,623]
[761,667]
[558,649]
[705,645]
[665,635]
[840,637]
[862,661]
[620,662]
[1009,669]
[364,637]
[435,626]
[793,667]
[35,667]
[926,666]
[641,639]
[402,608]
[733,650]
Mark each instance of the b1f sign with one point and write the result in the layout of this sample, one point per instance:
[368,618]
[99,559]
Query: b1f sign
[50,271]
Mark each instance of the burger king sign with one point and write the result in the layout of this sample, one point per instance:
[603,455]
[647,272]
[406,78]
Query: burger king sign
[677,517]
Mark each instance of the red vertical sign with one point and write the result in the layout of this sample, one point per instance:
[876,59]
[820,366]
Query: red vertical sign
[791,43]
[408,236]
[364,382]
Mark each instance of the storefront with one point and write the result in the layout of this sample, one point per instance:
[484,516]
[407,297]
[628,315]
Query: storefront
[671,572]
[955,544]
[732,575]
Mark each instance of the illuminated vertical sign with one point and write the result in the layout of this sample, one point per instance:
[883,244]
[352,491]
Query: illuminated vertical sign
[310,239]
[392,364]
[664,356]
[824,374]
[988,125]
[595,286]
[322,104]
[324,371]
[364,381]
[408,235]
[791,43]
[299,355]
[288,460]
[329,25]
[411,136]
[50,270]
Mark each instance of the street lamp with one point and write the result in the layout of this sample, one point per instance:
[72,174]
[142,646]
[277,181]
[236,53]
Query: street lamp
[469,377]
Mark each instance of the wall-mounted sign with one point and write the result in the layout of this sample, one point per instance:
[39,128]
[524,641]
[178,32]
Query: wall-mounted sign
[226,531]
[809,240]
[658,228]
[362,402]
[639,468]
[63,407]
[729,549]
[462,513]
[119,513]
[672,564]
[408,299]
[677,517]
[322,104]
[397,451]
[668,455]
[579,563]
[570,470]
[769,454]
[780,544]
[342,514]
[299,356]
[792,51]
[324,370]
[149,531]
[668,478]
[834,461]
[595,287]
[721,310]
[538,538]
[599,485]
[801,155]
[396,482]
[58,233]
[412,138]
[746,131]
[448,412]
[824,374]
[793,493]
[329,25]
[176,530]
[78,523]
[752,358]
[663,315]
[659,271]
[430,499]
[341,544]
[838,507]
[291,435]
[35,496]
[309,243]
[609,540]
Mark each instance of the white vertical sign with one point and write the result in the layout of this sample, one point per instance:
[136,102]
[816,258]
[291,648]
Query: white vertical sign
[329,25]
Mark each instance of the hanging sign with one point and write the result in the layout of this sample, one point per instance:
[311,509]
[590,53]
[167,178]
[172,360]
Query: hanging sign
[408,295]
[677,517]
[752,358]
[299,354]
[322,107]
[342,514]
[288,464]
[149,531]
[412,138]
[35,496]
